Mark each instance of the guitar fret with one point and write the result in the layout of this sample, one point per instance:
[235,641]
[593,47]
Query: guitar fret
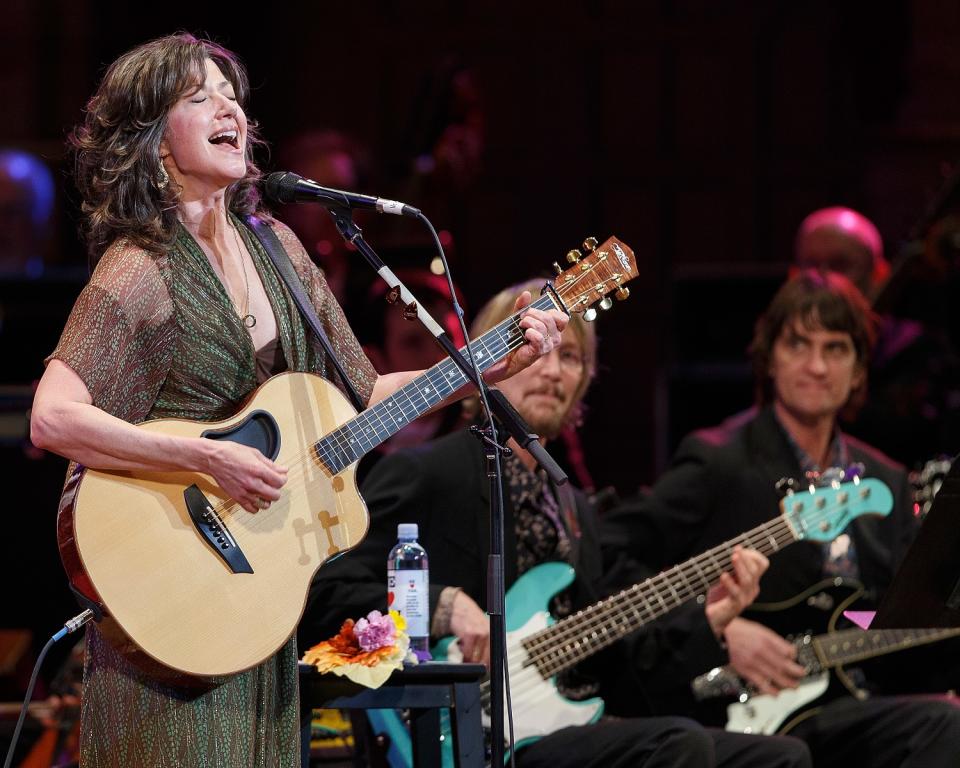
[869,643]
[602,623]
[352,436]
[319,450]
[620,614]
[696,566]
[349,442]
[717,567]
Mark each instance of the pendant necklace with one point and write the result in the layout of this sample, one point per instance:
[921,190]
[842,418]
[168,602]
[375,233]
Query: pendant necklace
[248,320]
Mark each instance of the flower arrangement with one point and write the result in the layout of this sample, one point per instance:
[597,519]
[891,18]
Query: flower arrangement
[366,651]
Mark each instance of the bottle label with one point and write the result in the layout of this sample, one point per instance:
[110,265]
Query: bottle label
[408,593]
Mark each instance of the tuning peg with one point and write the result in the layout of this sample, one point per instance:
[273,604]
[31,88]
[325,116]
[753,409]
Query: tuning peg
[606,302]
[622,293]
[589,244]
[590,314]
[855,471]
[557,268]
[786,486]
[574,256]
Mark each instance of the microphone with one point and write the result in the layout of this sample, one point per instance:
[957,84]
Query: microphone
[286,187]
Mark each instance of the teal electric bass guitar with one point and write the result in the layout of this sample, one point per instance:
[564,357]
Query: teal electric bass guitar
[539,648]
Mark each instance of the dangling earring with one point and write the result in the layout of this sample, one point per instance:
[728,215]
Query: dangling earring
[162,177]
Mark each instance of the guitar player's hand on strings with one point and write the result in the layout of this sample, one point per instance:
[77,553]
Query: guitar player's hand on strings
[735,591]
[248,477]
[542,332]
[471,626]
[762,657]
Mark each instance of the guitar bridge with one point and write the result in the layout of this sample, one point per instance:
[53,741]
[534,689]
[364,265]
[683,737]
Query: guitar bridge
[211,528]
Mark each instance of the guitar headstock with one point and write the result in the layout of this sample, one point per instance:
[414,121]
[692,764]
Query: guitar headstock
[927,482]
[822,513]
[591,278]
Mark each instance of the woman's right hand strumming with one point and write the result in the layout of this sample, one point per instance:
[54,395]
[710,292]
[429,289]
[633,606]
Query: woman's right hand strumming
[248,477]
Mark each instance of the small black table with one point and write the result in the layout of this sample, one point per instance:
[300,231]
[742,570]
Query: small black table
[424,689]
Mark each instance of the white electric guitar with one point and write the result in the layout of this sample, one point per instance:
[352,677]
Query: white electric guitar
[538,648]
[823,656]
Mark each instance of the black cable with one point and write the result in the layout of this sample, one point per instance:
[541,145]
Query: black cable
[71,626]
[458,311]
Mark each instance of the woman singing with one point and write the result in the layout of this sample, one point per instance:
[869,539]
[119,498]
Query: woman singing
[184,316]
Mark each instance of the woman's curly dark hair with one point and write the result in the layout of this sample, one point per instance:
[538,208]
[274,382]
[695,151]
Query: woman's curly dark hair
[116,149]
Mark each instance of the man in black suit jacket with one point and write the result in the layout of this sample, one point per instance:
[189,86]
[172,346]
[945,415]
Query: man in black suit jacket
[810,353]
[442,486]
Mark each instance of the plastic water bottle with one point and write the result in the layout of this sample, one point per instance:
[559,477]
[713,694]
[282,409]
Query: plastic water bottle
[408,587]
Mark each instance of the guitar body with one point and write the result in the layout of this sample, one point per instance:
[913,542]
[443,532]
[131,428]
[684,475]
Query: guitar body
[130,543]
[815,611]
[192,583]
[538,708]
[817,514]
[766,714]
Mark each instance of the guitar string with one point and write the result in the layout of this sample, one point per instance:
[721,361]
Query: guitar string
[565,643]
[540,655]
[536,656]
[594,614]
[302,461]
[299,463]
[873,642]
[229,505]
[771,536]
[867,644]
[300,468]
[601,614]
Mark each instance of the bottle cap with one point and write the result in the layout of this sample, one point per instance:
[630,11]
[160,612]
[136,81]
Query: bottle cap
[408,531]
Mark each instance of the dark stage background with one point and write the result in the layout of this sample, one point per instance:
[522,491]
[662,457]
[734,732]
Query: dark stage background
[699,132]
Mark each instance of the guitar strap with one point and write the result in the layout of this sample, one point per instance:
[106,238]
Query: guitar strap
[568,514]
[271,244]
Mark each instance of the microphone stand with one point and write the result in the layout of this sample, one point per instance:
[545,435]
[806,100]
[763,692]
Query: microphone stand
[508,417]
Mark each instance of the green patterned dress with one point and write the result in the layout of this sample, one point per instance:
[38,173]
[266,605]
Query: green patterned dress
[157,336]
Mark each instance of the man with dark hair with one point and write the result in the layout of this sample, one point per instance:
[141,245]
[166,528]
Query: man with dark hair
[911,412]
[442,486]
[810,353]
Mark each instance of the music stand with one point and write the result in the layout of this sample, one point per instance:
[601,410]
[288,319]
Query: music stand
[925,591]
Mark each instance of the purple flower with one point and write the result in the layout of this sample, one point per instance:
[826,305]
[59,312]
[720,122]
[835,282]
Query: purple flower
[375,631]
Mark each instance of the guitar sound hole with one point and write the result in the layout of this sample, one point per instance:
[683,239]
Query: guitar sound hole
[259,430]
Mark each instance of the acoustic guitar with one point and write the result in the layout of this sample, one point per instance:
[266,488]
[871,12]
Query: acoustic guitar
[205,588]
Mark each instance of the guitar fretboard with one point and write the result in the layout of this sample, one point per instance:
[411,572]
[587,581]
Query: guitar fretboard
[851,645]
[348,443]
[576,637]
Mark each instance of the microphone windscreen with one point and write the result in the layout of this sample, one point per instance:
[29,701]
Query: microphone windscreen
[281,187]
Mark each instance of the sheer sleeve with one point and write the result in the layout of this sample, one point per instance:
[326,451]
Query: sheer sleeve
[345,344]
[119,333]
